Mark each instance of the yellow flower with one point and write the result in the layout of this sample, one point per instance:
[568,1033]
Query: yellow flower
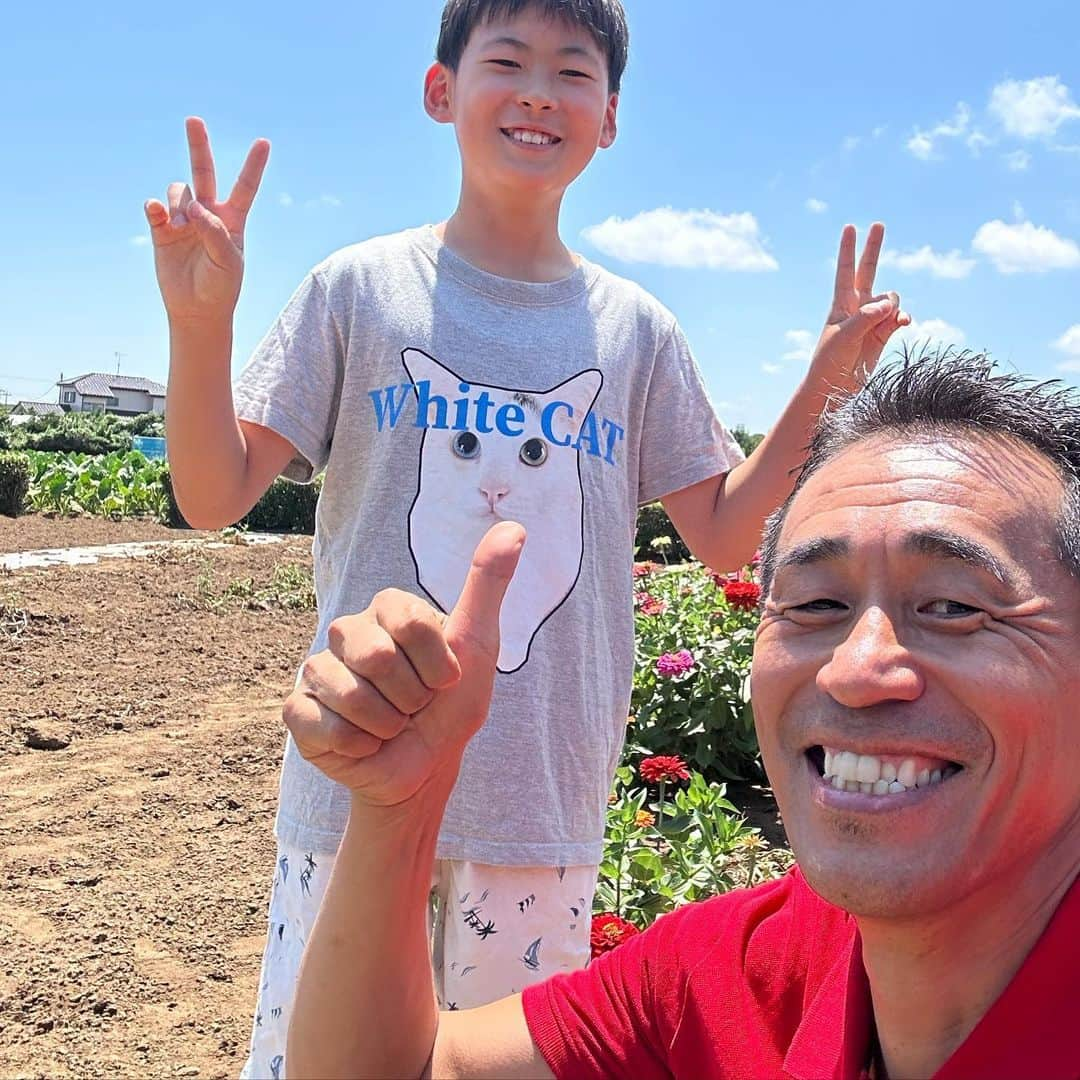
[644,820]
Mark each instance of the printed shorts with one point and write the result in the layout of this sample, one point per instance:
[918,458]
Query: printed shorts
[494,931]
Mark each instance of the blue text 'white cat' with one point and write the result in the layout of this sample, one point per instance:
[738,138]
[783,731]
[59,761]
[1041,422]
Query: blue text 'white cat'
[489,454]
[478,413]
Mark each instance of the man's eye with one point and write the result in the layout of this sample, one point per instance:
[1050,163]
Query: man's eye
[949,609]
[818,606]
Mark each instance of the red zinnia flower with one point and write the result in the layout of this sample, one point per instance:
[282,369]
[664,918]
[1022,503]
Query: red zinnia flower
[664,767]
[649,605]
[743,595]
[609,932]
[641,569]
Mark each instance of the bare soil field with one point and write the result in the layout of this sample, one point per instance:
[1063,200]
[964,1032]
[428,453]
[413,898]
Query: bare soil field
[140,740]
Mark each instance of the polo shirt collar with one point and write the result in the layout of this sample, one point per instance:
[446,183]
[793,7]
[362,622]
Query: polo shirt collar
[1031,1030]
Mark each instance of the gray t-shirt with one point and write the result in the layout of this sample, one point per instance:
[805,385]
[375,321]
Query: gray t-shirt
[441,399]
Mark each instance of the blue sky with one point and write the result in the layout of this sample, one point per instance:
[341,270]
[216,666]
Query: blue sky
[756,131]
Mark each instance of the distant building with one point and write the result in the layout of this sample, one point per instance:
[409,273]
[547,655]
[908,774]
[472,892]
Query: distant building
[35,408]
[125,395]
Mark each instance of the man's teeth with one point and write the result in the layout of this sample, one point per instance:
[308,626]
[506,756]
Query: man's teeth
[536,137]
[870,775]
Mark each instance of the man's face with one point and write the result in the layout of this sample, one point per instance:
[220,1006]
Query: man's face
[921,622]
[529,102]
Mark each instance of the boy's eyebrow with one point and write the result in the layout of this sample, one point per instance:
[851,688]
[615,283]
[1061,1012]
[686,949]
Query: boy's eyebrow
[515,43]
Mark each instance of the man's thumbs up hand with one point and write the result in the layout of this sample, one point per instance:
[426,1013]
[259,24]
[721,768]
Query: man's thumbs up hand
[402,688]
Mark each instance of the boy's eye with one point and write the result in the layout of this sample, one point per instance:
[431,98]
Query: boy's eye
[576,74]
[505,63]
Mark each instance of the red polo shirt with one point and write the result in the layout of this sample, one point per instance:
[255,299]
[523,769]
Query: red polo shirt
[769,982]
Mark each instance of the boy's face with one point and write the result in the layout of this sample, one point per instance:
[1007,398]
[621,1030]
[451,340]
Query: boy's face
[529,102]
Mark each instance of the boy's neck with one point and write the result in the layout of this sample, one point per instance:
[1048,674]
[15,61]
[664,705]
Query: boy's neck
[517,242]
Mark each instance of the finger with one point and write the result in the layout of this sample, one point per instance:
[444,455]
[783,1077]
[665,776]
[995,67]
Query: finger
[417,629]
[475,618]
[202,161]
[370,652]
[845,267]
[215,237]
[180,197]
[157,216]
[857,326]
[864,277]
[318,730]
[350,696]
[247,183]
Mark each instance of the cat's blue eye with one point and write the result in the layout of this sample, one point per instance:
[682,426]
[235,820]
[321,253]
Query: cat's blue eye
[533,452]
[466,445]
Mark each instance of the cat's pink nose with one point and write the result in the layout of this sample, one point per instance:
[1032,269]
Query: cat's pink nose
[494,494]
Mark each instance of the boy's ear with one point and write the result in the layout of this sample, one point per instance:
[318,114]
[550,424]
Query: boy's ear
[437,94]
[609,128]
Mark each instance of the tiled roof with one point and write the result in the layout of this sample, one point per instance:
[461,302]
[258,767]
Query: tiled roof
[97,384]
[37,408]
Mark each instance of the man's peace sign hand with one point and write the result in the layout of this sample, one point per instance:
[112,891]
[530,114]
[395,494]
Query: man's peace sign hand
[199,241]
[860,322]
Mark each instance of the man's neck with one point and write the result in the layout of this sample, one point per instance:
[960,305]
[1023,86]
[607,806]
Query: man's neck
[932,981]
[518,241]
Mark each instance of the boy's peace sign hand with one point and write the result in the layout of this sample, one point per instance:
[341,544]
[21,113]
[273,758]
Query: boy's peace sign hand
[199,241]
[860,322]
[389,707]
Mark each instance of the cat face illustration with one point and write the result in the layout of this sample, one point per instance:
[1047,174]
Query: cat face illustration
[493,454]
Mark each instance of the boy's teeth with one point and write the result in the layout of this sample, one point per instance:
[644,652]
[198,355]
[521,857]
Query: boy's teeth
[531,137]
[847,771]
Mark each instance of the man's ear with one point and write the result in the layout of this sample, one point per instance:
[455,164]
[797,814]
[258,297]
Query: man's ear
[609,128]
[437,93]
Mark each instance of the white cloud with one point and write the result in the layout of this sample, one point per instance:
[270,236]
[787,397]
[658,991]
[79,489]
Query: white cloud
[932,332]
[684,238]
[921,144]
[323,200]
[285,199]
[1018,161]
[772,369]
[801,344]
[1033,109]
[880,130]
[940,264]
[1069,343]
[816,206]
[976,141]
[1023,248]
[139,241]
[850,142]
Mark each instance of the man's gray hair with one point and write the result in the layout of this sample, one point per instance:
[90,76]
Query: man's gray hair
[945,392]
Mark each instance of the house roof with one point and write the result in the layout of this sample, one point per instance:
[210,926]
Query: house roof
[37,408]
[98,384]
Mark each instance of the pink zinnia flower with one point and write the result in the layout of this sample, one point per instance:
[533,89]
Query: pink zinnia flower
[649,605]
[679,663]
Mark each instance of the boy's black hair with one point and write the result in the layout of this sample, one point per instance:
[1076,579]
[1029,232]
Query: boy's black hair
[942,394]
[604,19]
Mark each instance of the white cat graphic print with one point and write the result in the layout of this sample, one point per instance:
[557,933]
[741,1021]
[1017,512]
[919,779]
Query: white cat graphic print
[490,454]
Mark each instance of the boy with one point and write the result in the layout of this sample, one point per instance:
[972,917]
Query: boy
[447,378]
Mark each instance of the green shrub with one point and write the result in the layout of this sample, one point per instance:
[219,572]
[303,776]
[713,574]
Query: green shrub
[14,483]
[285,507]
[691,693]
[653,526]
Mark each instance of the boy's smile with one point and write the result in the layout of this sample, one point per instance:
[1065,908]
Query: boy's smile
[530,105]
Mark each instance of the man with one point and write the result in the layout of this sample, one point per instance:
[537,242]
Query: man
[915,689]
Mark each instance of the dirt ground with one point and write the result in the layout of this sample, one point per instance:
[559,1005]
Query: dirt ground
[135,861]
[140,742]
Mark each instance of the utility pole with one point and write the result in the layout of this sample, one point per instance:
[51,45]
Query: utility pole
[118,355]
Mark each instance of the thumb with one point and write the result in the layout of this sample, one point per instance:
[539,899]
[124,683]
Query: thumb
[475,619]
[858,325]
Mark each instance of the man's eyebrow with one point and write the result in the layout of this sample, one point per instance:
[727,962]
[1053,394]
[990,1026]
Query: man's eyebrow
[820,549]
[947,545]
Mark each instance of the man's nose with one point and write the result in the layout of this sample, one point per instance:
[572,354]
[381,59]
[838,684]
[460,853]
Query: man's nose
[871,665]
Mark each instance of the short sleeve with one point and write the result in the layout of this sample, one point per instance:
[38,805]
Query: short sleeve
[292,383]
[682,440]
[613,1018]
